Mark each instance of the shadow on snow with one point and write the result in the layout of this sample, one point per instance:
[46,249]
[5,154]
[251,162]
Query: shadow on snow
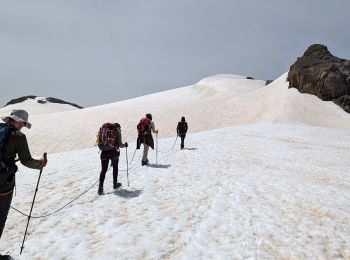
[128,194]
[191,149]
[160,165]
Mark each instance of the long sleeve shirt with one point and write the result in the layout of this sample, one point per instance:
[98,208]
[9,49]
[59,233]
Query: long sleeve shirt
[17,144]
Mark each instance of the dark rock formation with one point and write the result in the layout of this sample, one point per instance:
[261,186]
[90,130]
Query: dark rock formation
[56,100]
[249,78]
[268,82]
[320,73]
[19,100]
[41,101]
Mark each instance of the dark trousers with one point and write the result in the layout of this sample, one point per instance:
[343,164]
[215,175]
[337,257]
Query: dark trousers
[112,156]
[5,203]
[182,136]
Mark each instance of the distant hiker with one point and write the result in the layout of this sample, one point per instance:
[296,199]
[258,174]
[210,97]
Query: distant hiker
[145,128]
[181,129]
[13,142]
[109,140]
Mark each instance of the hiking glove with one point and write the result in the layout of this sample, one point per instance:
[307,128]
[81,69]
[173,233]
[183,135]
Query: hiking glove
[44,161]
[126,144]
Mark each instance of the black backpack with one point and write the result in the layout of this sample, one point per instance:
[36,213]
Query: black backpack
[182,126]
[7,171]
[4,133]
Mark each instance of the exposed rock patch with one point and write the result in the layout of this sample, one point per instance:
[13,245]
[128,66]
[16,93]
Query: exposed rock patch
[320,73]
[268,82]
[41,101]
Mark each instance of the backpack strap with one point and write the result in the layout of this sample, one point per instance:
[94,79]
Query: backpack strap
[2,194]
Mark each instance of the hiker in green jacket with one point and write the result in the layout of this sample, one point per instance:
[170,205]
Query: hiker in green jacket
[16,144]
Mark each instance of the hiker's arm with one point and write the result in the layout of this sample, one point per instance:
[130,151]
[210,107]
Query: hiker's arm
[153,127]
[24,154]
[119,138]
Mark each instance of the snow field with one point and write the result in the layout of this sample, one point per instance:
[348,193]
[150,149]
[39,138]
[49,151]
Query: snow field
[267,191]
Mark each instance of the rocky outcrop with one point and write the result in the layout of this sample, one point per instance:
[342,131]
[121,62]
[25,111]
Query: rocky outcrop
[41,101]
[320,73]
[267,82]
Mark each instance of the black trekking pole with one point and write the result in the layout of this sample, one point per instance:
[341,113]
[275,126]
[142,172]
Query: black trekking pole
[127,165]
[175,141]
[30,213]
[157,148]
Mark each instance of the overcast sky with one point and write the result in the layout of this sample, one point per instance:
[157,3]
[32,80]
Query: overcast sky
[94,52]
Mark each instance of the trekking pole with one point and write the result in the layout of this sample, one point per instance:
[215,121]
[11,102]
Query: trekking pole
[175,141]
[157,148]
[127,165]
[132,158]
[30,213]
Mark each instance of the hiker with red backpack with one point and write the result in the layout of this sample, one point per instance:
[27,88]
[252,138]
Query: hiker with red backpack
[145,129]
[181,129]
[109,141]
[13,142]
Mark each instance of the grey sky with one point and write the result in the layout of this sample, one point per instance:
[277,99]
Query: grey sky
[93,52]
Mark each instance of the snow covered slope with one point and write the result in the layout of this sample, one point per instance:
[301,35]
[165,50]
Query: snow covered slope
[272,183]
[214,102]
[274,191]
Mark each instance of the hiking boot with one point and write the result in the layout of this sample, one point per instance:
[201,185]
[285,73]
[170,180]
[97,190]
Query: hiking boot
[5,257]
[143,163]
[100,190]
[116,185]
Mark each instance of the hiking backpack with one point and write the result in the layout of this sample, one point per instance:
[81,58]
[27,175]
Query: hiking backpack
[107,137]
[4,133]
[144,126]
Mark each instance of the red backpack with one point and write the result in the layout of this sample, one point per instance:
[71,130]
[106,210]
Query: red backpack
[107,137]
[144,126]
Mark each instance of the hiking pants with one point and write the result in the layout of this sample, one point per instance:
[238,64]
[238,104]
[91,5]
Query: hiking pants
[5,203]
[105,158]
[145,152]
[182,136]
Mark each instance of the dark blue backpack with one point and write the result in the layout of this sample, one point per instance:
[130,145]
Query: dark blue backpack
[4,132]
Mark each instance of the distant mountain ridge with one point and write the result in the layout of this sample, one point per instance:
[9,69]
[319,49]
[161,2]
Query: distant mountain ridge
[42,100]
